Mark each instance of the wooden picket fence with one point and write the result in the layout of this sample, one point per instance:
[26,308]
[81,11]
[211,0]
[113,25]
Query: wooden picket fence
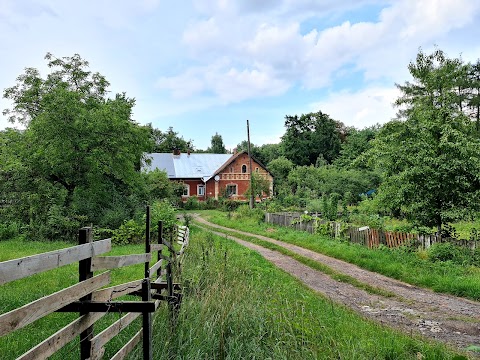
[366,236]
[91,299]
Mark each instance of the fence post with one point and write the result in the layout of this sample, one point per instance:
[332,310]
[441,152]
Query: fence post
[160,237]
[85,272]
[147,296]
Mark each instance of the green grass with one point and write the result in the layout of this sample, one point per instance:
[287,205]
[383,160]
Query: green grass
[402,264]
[237,305]
[24,291]
[307,261]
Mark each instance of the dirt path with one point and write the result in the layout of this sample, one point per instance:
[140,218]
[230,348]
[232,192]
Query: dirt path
[445,318]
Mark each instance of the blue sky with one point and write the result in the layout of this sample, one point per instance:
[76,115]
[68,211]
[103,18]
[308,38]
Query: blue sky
[206,66]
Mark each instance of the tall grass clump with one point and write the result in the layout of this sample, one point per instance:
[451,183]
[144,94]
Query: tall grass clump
[237,305]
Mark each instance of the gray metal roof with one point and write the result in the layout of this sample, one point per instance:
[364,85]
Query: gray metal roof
[186,166]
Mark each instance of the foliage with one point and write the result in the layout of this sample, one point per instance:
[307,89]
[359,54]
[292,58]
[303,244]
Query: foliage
[260,186]
[81,148]
[330,206]
[311,135]
[217,146]
[192,203]
[165,142]
[355,147]
[130,232]
[430,161]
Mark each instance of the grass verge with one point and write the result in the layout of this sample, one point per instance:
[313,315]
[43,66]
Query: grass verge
[404,264]
[237,305]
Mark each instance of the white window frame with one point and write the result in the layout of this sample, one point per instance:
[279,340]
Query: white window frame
[202,187]
[236,190]
[186,187]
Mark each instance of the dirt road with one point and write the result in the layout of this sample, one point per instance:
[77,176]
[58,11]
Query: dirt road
[453,320]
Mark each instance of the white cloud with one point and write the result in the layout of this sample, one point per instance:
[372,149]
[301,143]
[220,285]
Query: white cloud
[268,51]
[362,108]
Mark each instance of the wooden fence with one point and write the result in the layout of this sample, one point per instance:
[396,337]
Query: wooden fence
[91,299]
[365,235]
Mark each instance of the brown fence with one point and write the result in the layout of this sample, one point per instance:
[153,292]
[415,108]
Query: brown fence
[365,235]
[91,299]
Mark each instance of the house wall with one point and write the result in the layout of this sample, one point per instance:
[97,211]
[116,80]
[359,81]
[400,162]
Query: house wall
[231,175]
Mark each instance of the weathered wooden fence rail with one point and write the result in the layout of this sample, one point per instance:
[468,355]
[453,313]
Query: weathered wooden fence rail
[91,299]
[365,235]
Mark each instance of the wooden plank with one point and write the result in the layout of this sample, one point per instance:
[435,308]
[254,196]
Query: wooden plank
[156,266]
[164,257]
[116,291]
[110,306]
[168,245]
[62,337]
[124,351]
[114,262]
[106,335]
[18,318]
[19,268]
[156,247]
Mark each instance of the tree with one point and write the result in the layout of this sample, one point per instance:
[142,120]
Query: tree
[164,142]
[431,160]
[311,135]
[76,139]
[356,144]
[280,168]
[217,146]
[260,186]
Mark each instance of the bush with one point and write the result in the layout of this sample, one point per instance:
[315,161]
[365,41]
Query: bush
[9,230]
[130,232]
[244,211]
[192,203]
[449,252]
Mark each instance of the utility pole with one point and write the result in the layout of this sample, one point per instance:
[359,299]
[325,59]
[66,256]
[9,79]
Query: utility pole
[252,195]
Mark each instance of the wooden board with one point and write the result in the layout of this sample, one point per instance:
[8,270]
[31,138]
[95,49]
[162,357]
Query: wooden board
[19,268]
[156,266]
[62,337]
[106,335]
[116,291]
[18,318]
[156,247]
[124,351]
[114,262]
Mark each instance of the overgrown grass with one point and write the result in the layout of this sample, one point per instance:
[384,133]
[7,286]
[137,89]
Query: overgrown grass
[402,263]
[23,291]
[237,305]
[309,262]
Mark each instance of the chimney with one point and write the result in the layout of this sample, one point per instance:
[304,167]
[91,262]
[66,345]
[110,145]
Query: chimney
[188,152]
[235,151]
[176,151]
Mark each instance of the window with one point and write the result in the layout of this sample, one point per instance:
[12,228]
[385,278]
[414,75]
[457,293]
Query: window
[231,169]
[256,169]
[231,189]
[244,169]
[201,190]
[186,190]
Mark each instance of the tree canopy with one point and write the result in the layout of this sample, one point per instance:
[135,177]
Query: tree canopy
[431,157]
[311,136]
[80,145]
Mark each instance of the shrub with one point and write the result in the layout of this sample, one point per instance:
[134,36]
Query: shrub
[192,203]
[449,252]
[130,232]
[9,230]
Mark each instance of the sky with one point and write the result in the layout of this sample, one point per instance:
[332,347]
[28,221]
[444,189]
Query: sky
[206,66]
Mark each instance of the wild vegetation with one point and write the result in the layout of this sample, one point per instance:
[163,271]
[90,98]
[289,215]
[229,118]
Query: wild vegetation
[443,267]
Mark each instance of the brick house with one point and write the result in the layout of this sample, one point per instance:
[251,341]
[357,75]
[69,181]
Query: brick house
[210,175]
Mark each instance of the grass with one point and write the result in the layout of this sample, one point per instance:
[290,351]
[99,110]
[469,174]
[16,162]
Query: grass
[401,263]
[237,305]
[309,262]
[24,291]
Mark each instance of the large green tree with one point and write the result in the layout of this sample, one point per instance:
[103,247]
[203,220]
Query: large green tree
[312,136]
[164,142]
[76,138]
[217,146]
[430,157]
